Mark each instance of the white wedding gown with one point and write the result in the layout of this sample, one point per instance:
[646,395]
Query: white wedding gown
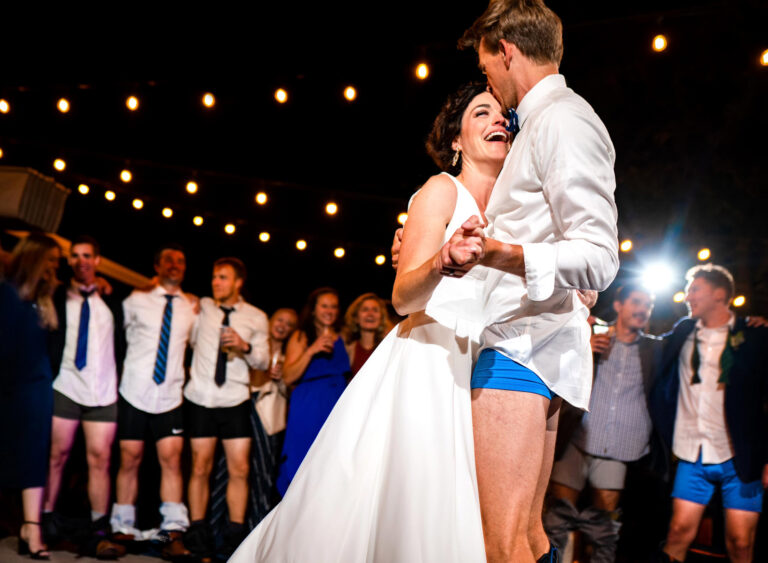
[391,475]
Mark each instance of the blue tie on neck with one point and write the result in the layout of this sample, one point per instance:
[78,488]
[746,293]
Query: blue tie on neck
[165,335]
[514,122]
[81,354]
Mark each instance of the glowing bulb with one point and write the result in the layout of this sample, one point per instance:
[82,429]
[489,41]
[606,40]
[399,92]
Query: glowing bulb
[126,176]
[59,164]
[109,195]
[380,259]
[626,245]
[658,277]
[679,297]
[739,301]
[331,208]
[339,253]
[764,58]
[229,228]
[192,187]
[264,237]
[281,95]
[704,254]
[350,93]
[402,218]
[132,103]
[197,220]
[1,153]
[659,43]
[301,244]
[63,105]
[83,189]
[261,198]
[137,203]
[167,212]
[422,71]
[209,100]
[5,107]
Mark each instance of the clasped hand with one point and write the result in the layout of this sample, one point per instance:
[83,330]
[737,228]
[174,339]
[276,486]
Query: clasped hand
[465,249]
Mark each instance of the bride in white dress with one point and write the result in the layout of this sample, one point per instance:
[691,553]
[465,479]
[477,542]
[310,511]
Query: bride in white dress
[391,475]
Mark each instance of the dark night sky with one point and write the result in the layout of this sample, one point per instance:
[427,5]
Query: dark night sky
[688,124]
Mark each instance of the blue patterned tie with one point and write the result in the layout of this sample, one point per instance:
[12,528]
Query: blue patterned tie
[514,122]
[81,355]
[165,336]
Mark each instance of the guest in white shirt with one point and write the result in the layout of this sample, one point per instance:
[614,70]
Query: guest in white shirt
[158,324]
[230,338]
[83,355]
[553,218]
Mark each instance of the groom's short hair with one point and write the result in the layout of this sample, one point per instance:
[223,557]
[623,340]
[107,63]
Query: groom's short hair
[535,29]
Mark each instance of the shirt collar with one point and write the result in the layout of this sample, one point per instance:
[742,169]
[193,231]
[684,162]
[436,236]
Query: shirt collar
[536,95]
[74,284]
[160,290]
[731,323]
[236,306]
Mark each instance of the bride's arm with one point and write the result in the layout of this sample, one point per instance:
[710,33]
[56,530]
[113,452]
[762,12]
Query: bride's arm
[419,264]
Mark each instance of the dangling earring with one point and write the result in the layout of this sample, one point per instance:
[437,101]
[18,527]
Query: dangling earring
[456,156]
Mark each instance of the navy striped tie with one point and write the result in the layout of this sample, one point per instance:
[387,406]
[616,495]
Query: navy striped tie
[165,336]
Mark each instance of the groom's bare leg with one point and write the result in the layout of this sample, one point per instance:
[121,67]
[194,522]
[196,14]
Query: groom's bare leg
[537,537]
[509,430]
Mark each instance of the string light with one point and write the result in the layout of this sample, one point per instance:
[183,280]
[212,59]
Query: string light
[402,218]
[659,43]
[339,252]
[1,153]
[229,228]
[132,103]
[261,198]
[192,187]
[626,245]
[59,164]
[739,301]
[126,176]
[679,297]
[764,58]
[350,93]
[281,95]
[264,237]
[198,221]
[331,208]
[63,105]
[704,254]
[5,107]
[422,71]
[167,212]
[209,100]
[380,259]
[83,189]
[109,195]
[301,244]
[137,203]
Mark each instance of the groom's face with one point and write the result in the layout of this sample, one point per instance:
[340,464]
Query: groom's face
[492,64]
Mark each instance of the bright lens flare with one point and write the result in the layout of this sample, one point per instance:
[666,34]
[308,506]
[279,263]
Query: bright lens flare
[109,195]
[659,43]
[83,189]
[704,254]
[301,244]
[1,153]
[126,176]
[132,103]
[402,218]
[192,187]
[339,252]
[331,208]
[261,198]
[626,245]
[229,228]
[5,107]
[658,277]
[380,259]
[137,203]
[281,96]
[63,105]
[679,297]
[197,220]
[422,71]
[764,58]
[739,301]
[350,93]
[59,164]
[264,237]
[209,100]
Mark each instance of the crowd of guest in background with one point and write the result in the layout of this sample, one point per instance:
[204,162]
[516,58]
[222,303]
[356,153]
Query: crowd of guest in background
[246,395]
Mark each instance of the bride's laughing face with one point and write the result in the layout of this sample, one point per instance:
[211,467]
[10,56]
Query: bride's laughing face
[483,137]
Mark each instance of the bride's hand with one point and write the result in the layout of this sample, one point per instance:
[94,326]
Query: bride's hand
[465,249]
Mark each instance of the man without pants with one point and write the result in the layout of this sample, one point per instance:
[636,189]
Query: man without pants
[229,339]
[158,324]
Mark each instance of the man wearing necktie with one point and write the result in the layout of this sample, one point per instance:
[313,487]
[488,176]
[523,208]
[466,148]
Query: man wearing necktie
[709,406]
[158,323]
[85,352]
[229,339]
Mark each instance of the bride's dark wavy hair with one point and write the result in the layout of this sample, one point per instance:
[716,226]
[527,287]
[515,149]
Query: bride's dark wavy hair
[447,126]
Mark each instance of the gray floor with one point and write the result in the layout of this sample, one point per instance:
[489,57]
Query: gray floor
[8,554]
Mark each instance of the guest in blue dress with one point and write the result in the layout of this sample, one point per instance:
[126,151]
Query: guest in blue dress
[316,363]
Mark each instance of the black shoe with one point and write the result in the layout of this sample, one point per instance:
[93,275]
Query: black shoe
[50,527]
[41,554]
[198,539]
[233,537]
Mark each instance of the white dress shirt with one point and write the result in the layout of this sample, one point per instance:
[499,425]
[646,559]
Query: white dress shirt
[96,384]
[700,423]
[252,325]
[143,323]
[554,196]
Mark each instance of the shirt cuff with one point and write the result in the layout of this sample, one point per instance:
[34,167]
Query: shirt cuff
[539,270]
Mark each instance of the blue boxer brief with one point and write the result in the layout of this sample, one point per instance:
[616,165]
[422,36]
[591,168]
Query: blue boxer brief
[696,482]
[495,371]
